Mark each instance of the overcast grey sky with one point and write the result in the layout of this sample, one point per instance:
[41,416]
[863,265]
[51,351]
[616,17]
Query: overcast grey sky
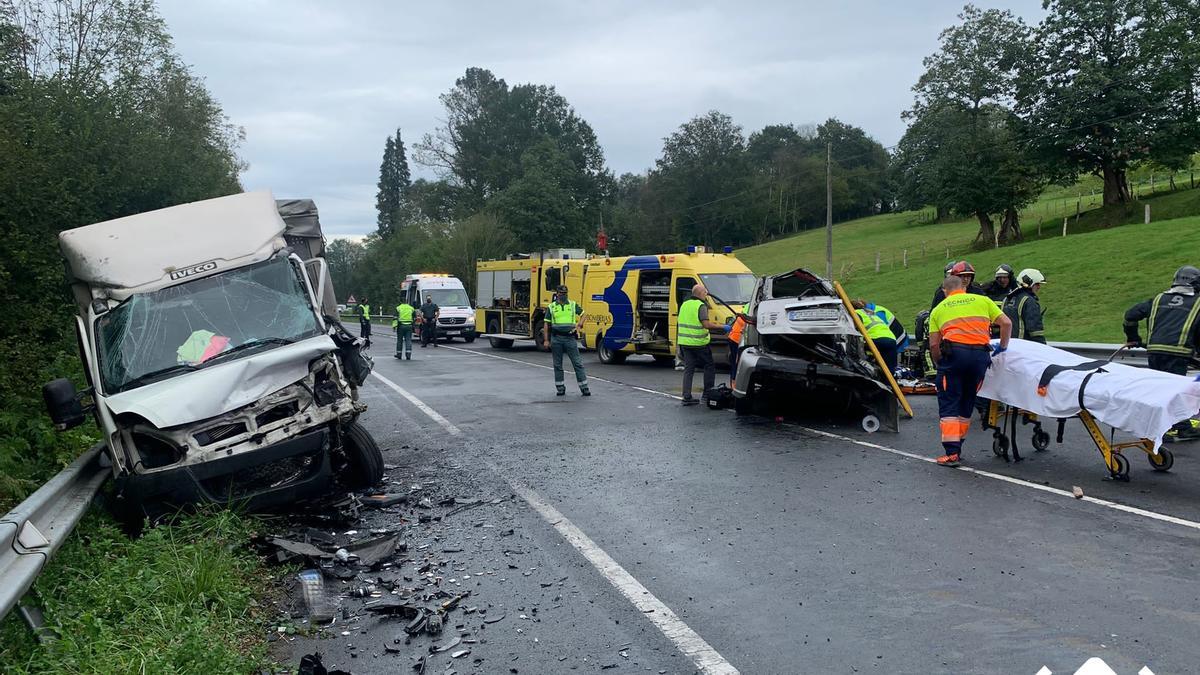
[318,86]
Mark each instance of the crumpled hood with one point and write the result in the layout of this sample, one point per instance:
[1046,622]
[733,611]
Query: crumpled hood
[218,389]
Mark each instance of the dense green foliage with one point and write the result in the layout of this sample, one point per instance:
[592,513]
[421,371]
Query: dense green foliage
[90,129]
[179,599]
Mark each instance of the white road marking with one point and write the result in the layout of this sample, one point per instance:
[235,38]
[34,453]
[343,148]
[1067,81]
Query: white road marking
[686,640]
[433,414]
[1145,513]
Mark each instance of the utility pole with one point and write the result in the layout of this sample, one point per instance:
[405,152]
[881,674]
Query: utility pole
[829,211]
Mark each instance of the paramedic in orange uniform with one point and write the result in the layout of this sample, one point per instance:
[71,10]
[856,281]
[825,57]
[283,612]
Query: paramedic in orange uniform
[959,332]
[735,338]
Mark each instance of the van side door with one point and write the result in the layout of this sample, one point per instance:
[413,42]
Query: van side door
[684,281]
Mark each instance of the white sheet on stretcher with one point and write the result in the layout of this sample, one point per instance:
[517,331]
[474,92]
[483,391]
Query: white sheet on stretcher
[1138,401]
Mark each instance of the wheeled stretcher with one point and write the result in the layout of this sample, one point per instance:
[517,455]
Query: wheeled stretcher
[1032,381]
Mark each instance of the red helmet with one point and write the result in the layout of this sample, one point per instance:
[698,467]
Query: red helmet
[962,268]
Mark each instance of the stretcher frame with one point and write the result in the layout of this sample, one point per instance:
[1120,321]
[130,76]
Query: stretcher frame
[1000,417]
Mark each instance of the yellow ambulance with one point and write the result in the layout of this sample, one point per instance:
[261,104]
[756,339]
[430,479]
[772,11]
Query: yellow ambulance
[631,304]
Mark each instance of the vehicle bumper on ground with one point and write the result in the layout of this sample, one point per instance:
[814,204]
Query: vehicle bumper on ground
[276,475]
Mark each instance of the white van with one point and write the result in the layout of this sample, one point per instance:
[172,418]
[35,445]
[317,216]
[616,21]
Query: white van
[456,317]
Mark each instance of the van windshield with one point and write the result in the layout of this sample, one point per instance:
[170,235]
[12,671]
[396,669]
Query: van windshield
[448,297]
[734,289]
[154,336]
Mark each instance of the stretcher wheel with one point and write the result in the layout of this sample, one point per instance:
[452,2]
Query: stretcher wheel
[1040,440]
[1122,470]
[870,424]
[1000,445]
[1163,461]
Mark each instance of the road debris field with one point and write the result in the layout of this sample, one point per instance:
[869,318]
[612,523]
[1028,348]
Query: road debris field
[516,531]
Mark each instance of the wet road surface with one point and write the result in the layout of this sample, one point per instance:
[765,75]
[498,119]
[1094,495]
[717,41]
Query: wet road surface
[790,547]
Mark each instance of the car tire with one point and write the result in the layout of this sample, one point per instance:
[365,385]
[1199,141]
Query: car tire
[364,461]
[606,355]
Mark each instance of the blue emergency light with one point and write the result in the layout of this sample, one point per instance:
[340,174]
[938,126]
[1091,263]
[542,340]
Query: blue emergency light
[691,249]
[728,249]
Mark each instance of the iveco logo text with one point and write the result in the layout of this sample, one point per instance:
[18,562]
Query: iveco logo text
[194,269]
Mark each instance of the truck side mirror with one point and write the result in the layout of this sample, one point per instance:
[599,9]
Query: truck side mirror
[62,402]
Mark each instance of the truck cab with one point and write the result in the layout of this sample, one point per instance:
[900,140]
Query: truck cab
[215,369]
[456,317]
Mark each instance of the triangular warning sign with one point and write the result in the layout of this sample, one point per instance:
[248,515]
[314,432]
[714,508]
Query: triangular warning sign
[351,301]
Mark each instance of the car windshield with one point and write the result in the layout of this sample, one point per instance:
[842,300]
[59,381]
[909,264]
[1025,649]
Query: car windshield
[734,289]
[153,336]
[449,297]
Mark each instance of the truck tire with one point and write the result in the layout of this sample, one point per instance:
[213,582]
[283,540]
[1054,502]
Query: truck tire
[497,343]
[364,461]
[608,356]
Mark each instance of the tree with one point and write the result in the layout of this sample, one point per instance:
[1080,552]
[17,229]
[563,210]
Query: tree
[1112,84]
[701,170]
[541,207]
[964,149]
[343,257]
[394,181]
[480,149]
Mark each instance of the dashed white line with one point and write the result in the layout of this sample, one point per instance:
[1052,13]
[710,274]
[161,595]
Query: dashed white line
[1145,513]
[686,640]
[433,414]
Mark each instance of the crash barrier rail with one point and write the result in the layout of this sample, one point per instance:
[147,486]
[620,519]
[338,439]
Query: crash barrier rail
[34,531]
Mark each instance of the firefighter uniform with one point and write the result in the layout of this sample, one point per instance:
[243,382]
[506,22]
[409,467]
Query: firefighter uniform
[1025,312]
[403,324]
[563,320]
[1172,325]
[963,320]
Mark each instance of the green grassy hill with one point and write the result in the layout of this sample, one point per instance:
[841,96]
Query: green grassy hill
[1093,275]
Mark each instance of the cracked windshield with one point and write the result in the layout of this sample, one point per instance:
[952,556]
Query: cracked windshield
[160,334]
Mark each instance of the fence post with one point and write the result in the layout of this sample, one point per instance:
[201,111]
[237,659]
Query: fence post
[922,250]
[905,259]
[1147,214]
[1065,225]
[1078,208]
[877,254]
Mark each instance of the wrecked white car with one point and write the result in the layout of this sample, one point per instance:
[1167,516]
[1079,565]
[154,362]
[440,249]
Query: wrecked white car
[215,369]
[802,355]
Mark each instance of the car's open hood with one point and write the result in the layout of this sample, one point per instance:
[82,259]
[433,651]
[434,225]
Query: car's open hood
[216,390]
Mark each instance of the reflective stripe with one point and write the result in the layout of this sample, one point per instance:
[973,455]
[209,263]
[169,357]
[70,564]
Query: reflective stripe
[967,330]
[964,318]
[562,315]
[690,332]
[954,429]
[1153,315]
[1187,325]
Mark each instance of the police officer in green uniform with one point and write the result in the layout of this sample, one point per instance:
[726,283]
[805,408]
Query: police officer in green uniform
[364,320]
[692,332]
[564,320]
[403,324]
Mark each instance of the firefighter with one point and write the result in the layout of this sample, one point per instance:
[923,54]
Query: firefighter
[999,288]
[364,320]
[693,331]
[403,324]
[959,340]
[969,284]
[559,336]
[1174,332]
[1023,309]
[879,322]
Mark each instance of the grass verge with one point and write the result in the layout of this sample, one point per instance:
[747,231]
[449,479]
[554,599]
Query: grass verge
[179,599]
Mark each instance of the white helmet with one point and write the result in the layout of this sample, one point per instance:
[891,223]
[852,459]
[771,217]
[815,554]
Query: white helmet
[1030,277]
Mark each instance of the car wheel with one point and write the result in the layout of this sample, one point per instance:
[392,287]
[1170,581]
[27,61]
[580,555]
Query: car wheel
[364,461]
[469,338]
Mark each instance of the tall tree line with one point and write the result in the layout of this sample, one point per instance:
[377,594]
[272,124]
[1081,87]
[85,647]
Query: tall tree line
[99,118]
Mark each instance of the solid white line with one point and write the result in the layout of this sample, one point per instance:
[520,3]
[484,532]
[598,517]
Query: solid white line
[686,640]
[1153,515]
[433,414]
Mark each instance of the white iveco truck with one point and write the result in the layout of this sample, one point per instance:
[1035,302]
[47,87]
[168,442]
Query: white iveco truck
[215,369]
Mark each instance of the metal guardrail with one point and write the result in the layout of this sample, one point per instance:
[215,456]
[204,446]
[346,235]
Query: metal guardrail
[1132,356]
[34,531]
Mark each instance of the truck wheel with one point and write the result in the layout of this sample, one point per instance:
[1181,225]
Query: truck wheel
[364,461]
[497,343]
[538,340]
[608,356]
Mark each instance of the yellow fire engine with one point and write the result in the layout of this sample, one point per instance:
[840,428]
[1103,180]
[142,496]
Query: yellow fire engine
[631,304]
[511,295]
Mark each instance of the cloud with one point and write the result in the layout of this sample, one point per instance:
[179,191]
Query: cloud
[318,86]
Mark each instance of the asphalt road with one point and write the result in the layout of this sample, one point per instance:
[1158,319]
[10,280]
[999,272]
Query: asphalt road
[801,546]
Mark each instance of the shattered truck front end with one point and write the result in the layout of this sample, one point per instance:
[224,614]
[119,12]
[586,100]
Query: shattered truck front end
[804,356]
[218,379]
